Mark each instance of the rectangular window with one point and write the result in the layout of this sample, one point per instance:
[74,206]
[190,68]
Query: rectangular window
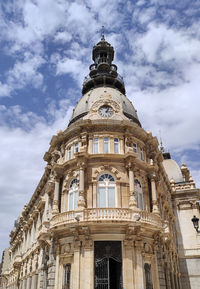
[116,145]
[135,148]
[141,154]
[69,153]
[76,148]
[66,276]
[95,146]
[106,145]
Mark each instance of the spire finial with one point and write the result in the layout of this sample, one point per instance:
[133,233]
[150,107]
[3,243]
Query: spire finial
[102,34]
[161,144]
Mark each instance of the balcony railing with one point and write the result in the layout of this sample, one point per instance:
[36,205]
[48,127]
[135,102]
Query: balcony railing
[106,215]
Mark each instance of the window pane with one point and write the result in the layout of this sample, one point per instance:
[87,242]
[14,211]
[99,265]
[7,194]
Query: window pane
[102,197]
[76,148]
[135,148]
[70,201]
[142,154]
[116,145]
[95,145]
[69,153]
[106,145]
[66,276]
[140,202]
[75,199]
[111,196]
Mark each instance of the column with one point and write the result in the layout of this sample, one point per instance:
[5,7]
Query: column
[154,269]
[87,264]
[46,209]
[154,196]
[81,198]
[128,266]
[56,197]
[76,266]
[34,281]
[94,194]
[57,269]
[139,271]
[28,284]
[132,196]
[90,150]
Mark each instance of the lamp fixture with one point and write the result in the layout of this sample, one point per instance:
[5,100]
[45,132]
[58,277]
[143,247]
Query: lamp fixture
[195,222]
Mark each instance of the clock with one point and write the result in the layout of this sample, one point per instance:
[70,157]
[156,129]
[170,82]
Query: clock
[106,111]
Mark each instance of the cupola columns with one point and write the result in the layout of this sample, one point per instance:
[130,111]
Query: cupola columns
[56,197]
[132,196]
[154,195]
[81,198]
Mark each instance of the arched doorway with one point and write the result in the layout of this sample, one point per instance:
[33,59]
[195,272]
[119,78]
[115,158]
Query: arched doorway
[108,265]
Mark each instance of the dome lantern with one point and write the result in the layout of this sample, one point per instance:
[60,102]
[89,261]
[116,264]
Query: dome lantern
[103,72]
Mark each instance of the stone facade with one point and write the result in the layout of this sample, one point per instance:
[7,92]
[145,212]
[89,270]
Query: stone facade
[104,214]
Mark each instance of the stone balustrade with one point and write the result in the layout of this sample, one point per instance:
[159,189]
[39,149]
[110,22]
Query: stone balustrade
[106,215]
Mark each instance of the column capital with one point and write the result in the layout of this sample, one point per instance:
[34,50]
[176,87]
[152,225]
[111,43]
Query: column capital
[139,245]
[153,176]
[82,164]
[130,165]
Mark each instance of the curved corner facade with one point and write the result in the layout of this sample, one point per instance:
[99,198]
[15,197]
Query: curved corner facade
[101,216]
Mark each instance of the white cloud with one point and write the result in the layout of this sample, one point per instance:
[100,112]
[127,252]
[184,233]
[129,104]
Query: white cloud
[63,36]
[23,72]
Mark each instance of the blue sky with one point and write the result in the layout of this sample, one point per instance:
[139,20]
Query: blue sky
[45,53]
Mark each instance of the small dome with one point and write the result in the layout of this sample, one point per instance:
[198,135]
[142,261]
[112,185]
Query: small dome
[173,170]
[88,99]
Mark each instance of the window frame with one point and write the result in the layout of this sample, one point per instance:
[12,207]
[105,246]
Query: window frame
[76,147]
[106,145]
[139,195]
[116,143]
[141,154]
[106,184]
[69,153]
[135,148]
[73,191]
[95,145]
[66,283]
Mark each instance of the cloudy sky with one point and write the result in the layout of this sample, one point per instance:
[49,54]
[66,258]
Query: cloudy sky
[45,53]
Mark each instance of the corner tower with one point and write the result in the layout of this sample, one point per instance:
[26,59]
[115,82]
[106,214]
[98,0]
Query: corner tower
[101,216]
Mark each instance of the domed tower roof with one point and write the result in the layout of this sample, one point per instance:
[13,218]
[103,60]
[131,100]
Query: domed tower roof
[103,76]
[85,103]
[172,169]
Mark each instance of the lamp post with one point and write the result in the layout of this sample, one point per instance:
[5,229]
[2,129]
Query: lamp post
[195,222]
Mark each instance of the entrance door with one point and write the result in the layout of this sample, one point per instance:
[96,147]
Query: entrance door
[108,265]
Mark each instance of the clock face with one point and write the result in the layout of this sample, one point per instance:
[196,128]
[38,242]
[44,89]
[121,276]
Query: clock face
[106,111]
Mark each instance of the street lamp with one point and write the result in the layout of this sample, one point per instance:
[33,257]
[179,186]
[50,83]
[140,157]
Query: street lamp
[195,222]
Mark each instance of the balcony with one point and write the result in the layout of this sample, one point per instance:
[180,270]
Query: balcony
[106,215]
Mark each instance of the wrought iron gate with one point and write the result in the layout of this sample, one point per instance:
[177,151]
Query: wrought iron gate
[108,265]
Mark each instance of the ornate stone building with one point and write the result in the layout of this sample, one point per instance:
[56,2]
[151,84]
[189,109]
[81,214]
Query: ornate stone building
[104,214]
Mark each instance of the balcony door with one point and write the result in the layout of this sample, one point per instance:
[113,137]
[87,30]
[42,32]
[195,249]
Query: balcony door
[108,265]
[106,191]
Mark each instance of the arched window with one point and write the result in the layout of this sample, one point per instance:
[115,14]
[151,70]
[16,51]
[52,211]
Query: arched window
[106,191]
[73,195]
[139,195]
